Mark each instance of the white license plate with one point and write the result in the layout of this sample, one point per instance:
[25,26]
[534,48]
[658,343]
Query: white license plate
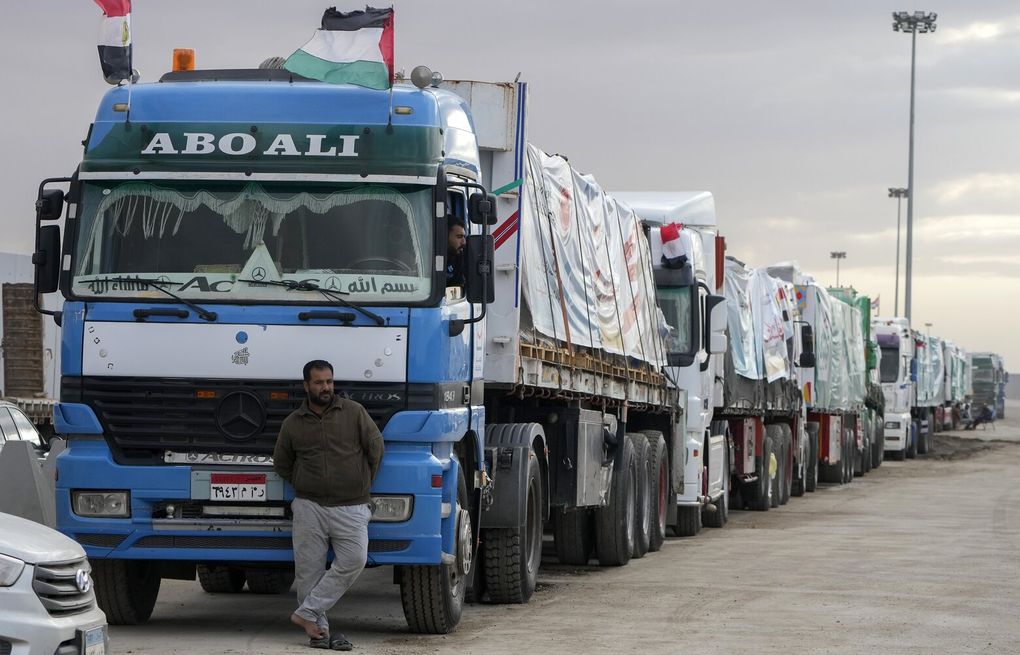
[94,641]
[237,487]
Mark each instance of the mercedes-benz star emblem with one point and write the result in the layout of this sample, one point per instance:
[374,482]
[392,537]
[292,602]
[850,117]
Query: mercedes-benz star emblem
[332,283]
[82,580]
[258,273]
[240,415]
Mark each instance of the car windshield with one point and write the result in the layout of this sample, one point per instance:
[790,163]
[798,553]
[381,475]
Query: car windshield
[374,242]
[890,364]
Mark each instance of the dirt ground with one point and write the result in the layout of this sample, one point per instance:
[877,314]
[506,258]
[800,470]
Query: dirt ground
[921,556]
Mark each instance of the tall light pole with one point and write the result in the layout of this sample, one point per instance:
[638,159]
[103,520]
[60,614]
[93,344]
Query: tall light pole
[921,22]
[838,255]
[899,193]
[928,326]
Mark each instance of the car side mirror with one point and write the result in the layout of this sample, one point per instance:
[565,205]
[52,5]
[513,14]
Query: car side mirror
[482,209]
[715,307]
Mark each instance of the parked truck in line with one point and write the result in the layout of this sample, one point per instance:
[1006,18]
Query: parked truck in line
[834,388]
[226,226]
[956,385]
[989,382]
[872,446]
[688,255]
[912,372]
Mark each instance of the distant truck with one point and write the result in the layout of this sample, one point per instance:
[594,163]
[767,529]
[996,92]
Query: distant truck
[990,378]
[912,372]
[872,444]
[834,388]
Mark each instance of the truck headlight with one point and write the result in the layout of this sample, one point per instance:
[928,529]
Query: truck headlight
[392,509]
[10,570]
[892,425]
[101,503]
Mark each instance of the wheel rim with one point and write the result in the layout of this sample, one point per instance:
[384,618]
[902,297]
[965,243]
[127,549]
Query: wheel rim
[534,527]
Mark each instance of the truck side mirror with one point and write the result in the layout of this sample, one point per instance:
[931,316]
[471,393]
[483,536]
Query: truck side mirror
[50,205]
[47,259]
[482,209]
[715,308]
[807,346]
[479,254]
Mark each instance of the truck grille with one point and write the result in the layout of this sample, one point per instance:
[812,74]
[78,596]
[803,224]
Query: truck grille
[57,586]
[145,416]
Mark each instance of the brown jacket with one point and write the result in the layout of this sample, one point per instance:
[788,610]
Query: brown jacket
[331,459]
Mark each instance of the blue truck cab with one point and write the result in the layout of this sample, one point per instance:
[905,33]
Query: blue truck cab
[223,228]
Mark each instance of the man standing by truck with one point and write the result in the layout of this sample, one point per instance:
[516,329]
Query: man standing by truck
[329,449]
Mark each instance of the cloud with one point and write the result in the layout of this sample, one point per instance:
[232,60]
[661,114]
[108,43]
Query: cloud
[969,227]
[782,222]
[979,32]
[999,186]
[985,96]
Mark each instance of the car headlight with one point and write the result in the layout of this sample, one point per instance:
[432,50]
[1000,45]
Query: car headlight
[101,503]
[892,425]
[392,508]
[10,570]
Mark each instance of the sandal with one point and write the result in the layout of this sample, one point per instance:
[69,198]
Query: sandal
[339,642]
[319,642]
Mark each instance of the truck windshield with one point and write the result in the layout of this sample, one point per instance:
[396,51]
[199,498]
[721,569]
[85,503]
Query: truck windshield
[675,303]
[374,242]
[890,365]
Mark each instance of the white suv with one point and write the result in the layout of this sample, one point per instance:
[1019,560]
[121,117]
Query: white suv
[47,604]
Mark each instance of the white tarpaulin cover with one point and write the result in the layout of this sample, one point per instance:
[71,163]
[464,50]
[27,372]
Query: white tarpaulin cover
[586,266]
[757,328]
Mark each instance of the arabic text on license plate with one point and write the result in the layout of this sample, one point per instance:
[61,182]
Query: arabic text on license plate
[95,641]
[237,486]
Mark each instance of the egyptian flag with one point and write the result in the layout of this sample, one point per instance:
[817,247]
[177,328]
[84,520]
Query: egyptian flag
[673,255]
[115,40]
[350,48]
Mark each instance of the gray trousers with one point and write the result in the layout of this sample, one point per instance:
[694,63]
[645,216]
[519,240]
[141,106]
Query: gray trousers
[315,530]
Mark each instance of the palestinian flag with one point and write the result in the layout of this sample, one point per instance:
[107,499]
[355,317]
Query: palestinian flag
[350,48]
[115,40]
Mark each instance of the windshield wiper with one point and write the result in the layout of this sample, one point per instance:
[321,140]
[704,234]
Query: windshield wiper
[332,294]
[158,285]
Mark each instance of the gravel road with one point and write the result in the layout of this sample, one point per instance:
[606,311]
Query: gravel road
[921,556]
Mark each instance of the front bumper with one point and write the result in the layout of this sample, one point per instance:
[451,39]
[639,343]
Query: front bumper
[29,628]
[897,438]
[87,464]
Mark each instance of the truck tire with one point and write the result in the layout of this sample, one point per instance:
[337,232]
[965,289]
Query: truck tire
[574,536]
[924,433]
[786,482]
[897,455]
[878,444]
[915,434]
[614,522]
[433,596]
[758,495]
[688,521]
[218,579]
[779,452]
[643,500]
[721,515]
[512,555]
[126,590]
[658,482]
[811,469]
[265,581]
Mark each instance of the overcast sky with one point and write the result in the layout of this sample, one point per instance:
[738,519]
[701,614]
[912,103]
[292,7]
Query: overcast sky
[794,114]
